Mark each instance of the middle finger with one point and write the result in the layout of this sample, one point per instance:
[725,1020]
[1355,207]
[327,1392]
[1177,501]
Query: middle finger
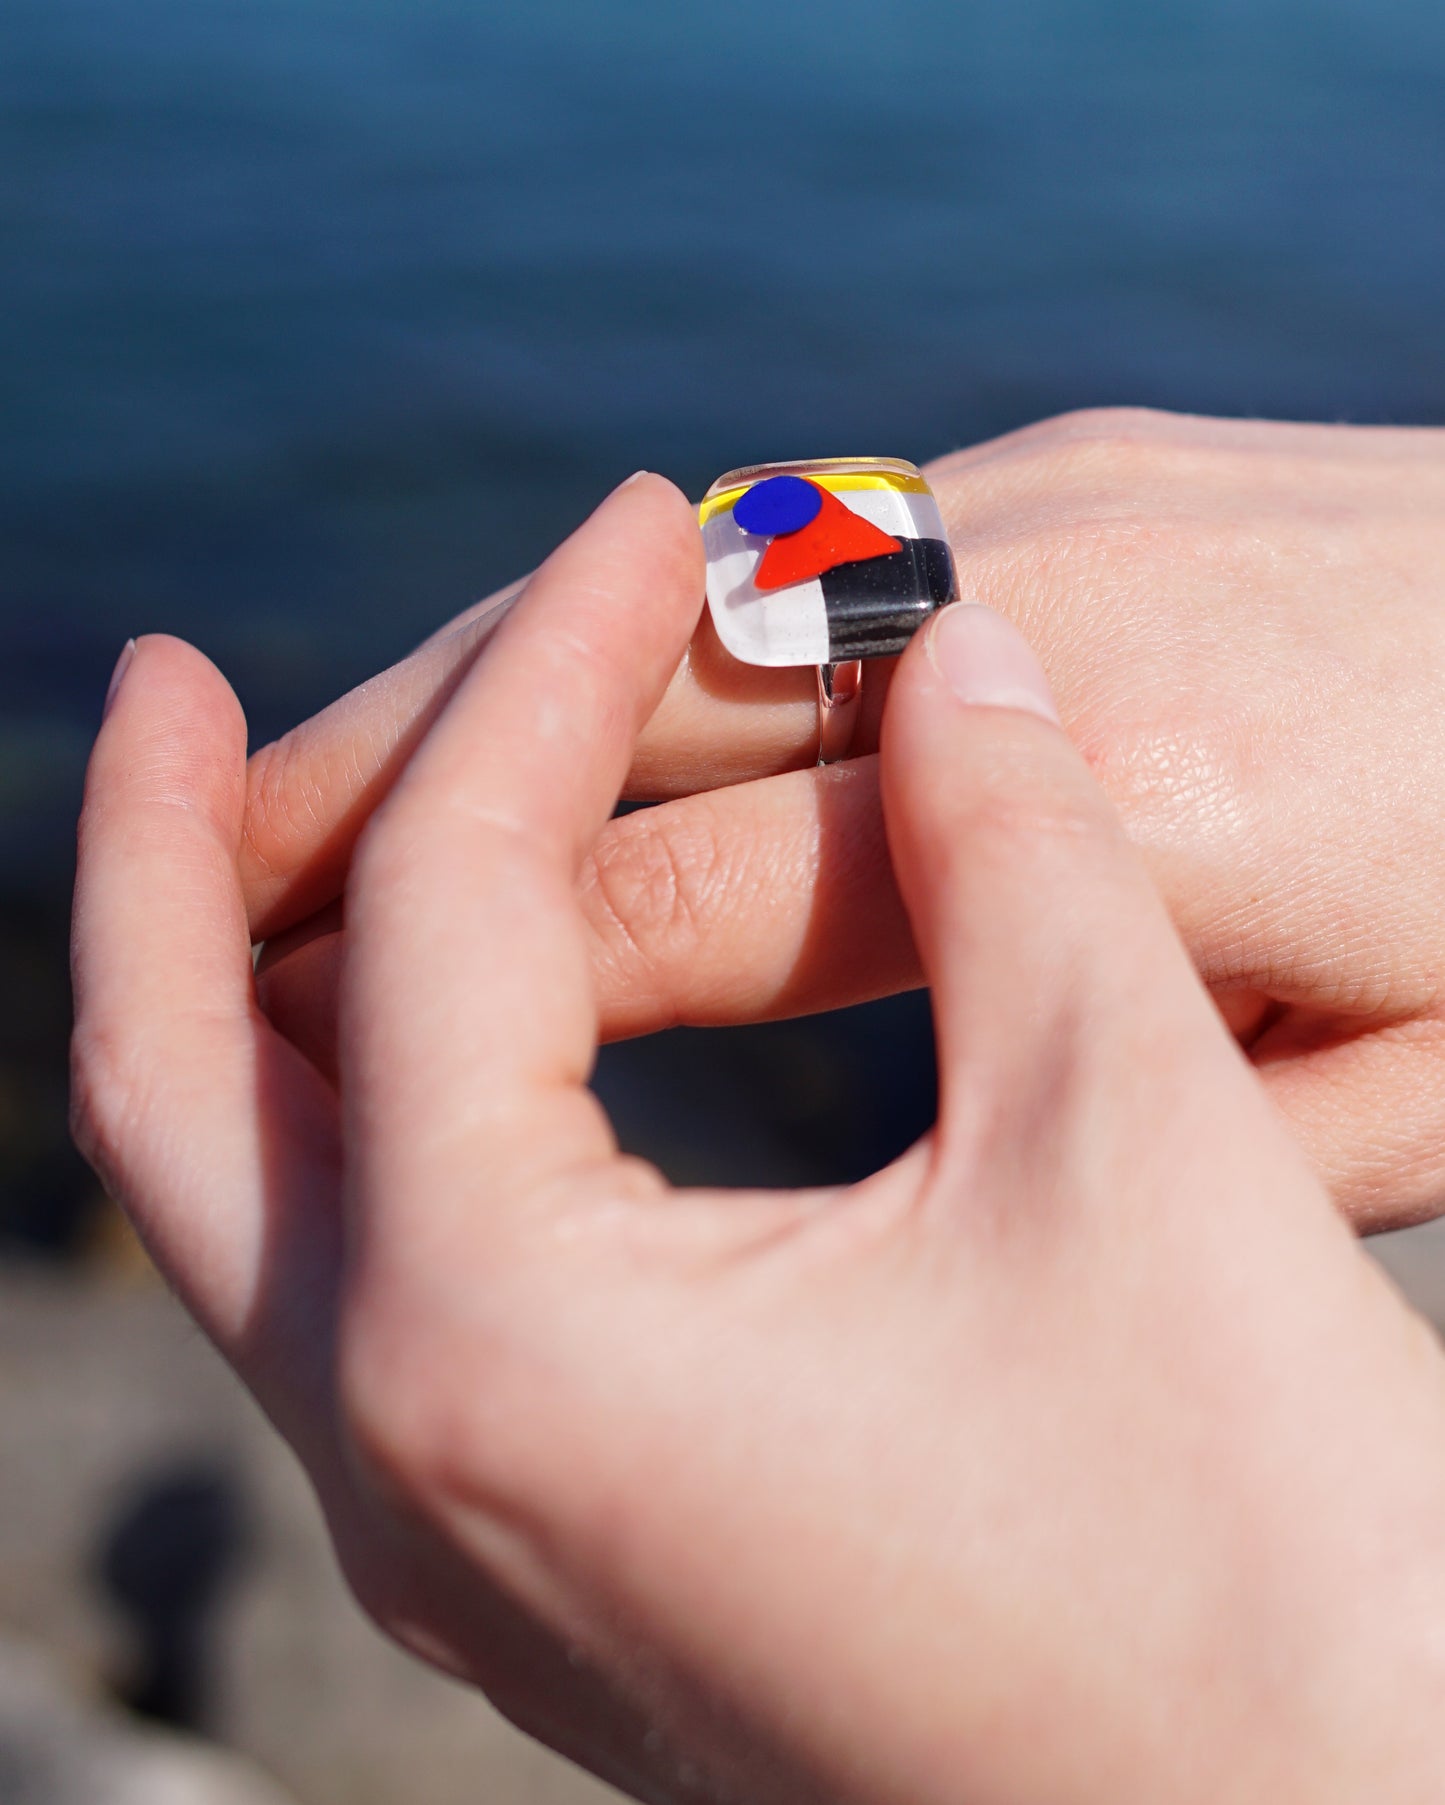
[311,792]
[765,900]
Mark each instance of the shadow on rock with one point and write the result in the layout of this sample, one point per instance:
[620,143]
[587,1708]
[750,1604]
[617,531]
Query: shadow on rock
[166,1560]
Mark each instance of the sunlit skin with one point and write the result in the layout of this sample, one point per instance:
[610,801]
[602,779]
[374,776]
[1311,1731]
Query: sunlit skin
[1078,1458]
[1245,627]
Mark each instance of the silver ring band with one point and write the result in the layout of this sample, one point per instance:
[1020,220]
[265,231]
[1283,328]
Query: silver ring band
[840,689]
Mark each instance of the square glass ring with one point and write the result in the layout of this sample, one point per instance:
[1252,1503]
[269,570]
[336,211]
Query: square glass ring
[823,560]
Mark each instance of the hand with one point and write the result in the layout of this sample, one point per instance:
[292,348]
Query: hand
[1245,627]
[1078,1458]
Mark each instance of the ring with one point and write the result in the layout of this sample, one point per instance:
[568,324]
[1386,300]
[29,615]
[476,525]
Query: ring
[840,689]
[827,562]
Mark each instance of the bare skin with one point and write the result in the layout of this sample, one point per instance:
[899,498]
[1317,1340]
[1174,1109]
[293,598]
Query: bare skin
[1078,1458]
[1245,627]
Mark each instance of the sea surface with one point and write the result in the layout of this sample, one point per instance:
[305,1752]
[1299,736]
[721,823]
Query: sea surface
[319,319]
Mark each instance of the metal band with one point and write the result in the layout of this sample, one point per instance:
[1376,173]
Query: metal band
[840,689]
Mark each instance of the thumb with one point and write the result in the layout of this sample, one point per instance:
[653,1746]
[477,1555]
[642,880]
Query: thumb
[1046,948]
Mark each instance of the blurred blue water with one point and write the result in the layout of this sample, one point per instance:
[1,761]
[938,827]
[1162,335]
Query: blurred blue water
[318,319]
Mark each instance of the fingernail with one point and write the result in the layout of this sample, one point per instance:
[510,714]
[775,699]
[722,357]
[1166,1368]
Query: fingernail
[636,477]
[122,665]
[987,662]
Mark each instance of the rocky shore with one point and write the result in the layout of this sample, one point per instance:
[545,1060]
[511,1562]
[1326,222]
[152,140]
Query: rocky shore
[160,1553]
[151,1521]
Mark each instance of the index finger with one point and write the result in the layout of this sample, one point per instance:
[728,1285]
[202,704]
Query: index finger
[469,1019]
[310,793]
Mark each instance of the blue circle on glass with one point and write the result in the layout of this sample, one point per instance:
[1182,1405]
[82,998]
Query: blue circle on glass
[779,504]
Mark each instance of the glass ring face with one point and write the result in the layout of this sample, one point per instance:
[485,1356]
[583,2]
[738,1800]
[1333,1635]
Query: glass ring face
[823,560]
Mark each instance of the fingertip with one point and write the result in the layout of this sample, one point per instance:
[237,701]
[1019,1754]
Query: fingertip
[968,679]
[654,488]
[1019,880]
[173,730]
[657,514]
[122,665]
[985,662]
[174,675]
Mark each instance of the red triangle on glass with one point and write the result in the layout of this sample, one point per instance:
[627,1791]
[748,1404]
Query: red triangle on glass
[835,535]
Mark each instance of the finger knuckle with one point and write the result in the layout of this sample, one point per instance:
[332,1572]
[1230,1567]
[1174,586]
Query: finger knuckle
[360,1542]
[386,1419]
[1100,455]
[646,888]
[433,1421]
[286,802]
[1076,512]
[399,1425]
[1112,425]
[108,1098]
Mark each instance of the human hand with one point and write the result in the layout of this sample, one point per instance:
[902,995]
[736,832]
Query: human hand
[1078,1457]
[1245,627]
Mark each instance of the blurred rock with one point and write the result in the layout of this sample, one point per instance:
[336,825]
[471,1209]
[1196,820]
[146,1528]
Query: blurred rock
[125,1438]
[58,1747]
[167,1561]
[158,1540]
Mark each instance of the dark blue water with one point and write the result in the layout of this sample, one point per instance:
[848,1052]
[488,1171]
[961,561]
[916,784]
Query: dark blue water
[320,317]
